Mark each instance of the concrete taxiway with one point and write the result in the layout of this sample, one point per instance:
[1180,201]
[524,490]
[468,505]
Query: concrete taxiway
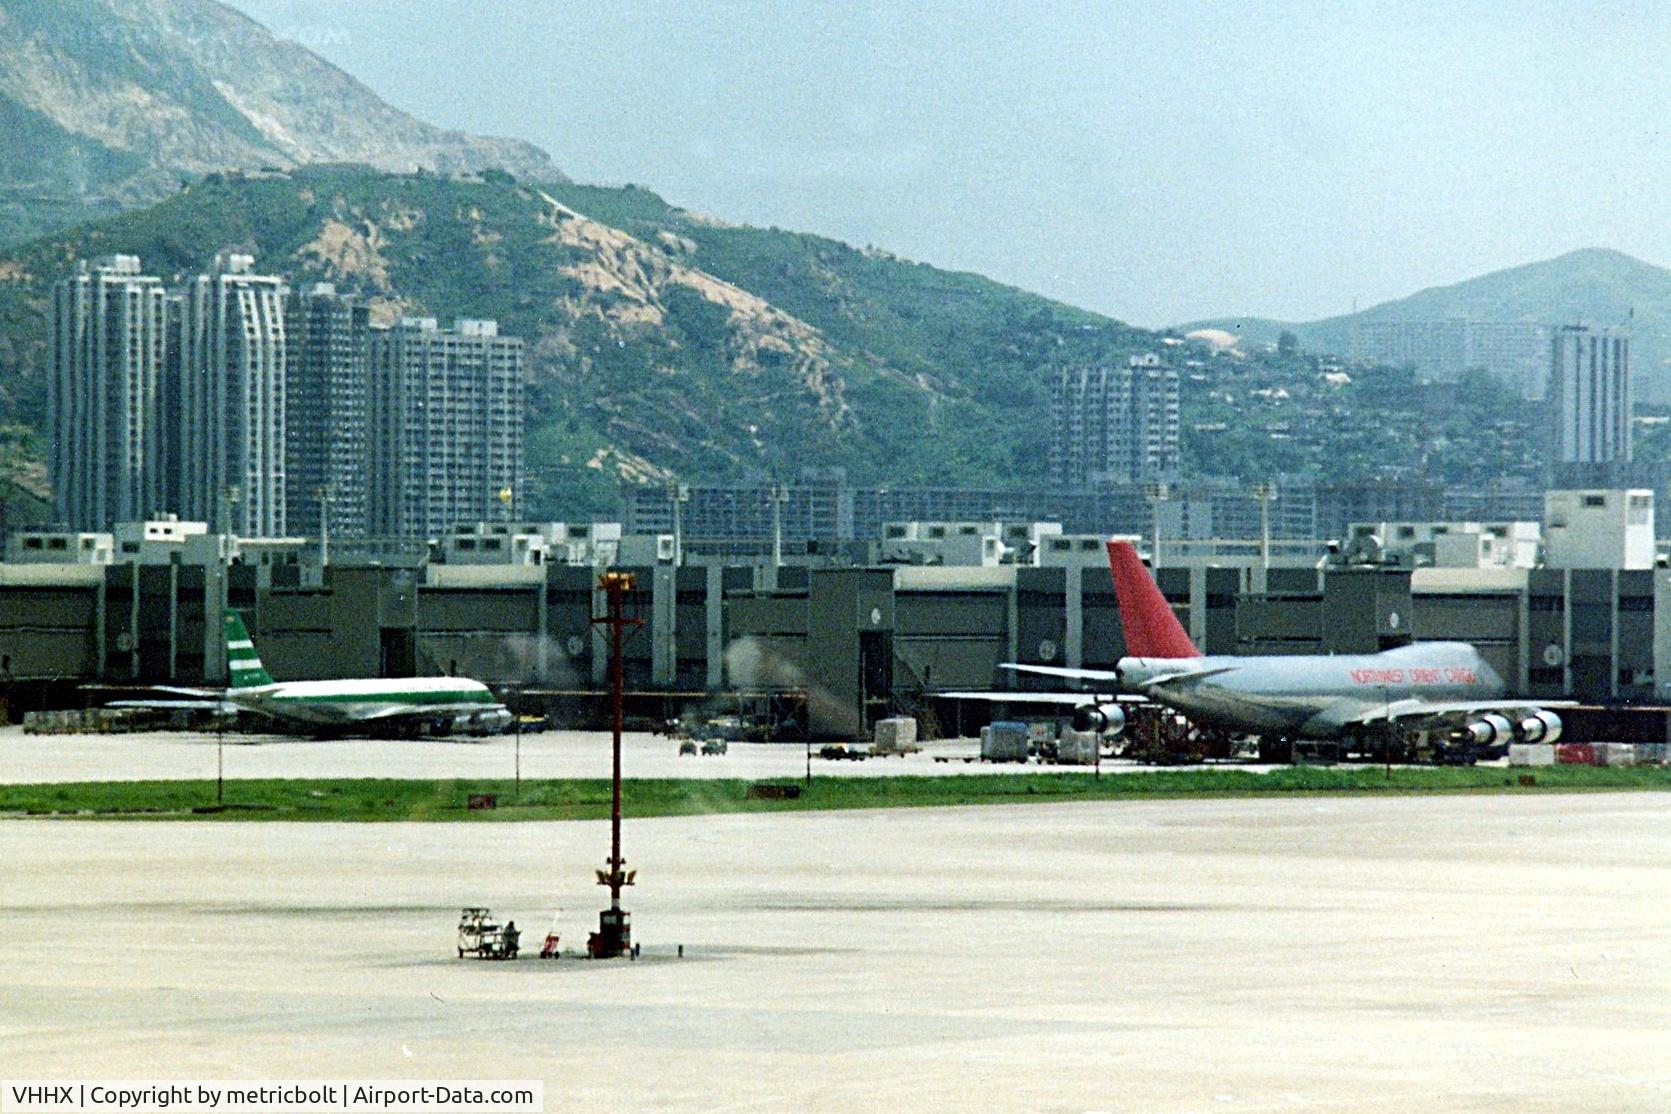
[170,755]
[1422,953]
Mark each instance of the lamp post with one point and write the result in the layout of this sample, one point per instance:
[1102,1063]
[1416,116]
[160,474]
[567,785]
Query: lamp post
[1157,493]
[213,627]
[1265,492]
[10,471]
[779,495]
[678,495]
[230,496]
[614,935]
[322,493]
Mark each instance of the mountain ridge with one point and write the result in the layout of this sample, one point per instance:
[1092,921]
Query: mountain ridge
[661,344]
[1595,285]
[109,104]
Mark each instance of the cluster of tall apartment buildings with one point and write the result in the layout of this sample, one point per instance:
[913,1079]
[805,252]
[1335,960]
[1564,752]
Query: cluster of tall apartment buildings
[1579,373]
[1114,455]
[235,401]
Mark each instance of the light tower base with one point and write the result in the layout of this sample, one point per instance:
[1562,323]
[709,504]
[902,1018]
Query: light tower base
[613,938]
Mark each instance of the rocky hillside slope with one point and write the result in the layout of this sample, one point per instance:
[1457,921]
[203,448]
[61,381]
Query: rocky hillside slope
[107,104]
[661,343]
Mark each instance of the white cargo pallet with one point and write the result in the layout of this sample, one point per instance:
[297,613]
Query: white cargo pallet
[1006,744]
[1531,754]
[896,735]
[1077,748]
[1615,754]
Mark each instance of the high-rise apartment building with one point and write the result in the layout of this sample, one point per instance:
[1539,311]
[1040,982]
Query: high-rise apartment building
[1114,425]
[1439,348]
[1589,398]
[1514,352]
[169,383]
[233,371]
[109,349]
[447,422]
[328,412]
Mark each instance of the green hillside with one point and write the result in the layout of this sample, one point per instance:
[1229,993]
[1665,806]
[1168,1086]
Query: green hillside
[660,343]
[665,344]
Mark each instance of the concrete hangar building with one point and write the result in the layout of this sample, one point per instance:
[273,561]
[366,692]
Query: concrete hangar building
[1582,611]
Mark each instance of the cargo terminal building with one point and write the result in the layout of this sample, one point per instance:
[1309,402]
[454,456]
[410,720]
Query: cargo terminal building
[855,641]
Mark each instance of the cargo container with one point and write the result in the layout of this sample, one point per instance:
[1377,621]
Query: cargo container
[896,735]
[1004,741]
[1077,748]
[1575,754]
[1531,754]
[1615,754]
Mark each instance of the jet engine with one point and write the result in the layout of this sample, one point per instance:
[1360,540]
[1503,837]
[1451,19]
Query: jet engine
[1539,727]
[1107,718]
[1488,730]
[481,724]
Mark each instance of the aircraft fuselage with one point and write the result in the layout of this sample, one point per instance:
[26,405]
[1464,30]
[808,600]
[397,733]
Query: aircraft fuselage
[1311,695]
[341,703]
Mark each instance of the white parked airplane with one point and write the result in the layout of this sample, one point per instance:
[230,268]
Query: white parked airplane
[1445,686]
[440,705]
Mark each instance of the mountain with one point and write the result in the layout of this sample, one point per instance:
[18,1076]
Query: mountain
[108,104]
[661,343]
[1596,286]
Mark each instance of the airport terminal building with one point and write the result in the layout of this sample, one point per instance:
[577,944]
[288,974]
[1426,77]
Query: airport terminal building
[1582,611]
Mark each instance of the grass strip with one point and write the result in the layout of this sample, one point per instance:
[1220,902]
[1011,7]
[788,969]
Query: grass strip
[372,799]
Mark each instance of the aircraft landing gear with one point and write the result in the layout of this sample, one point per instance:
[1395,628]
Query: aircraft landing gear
[1390,747]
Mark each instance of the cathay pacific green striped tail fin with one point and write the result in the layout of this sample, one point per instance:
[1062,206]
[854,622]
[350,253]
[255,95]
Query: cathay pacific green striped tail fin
[242,662]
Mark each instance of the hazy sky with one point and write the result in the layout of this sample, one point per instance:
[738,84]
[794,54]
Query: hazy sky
[1154,161]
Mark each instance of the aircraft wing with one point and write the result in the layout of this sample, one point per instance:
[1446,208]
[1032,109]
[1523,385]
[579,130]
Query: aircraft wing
[174,690]
[1403,711]
[1074,698]
[205,705]
[1063,672]
[378,713]
[397,711]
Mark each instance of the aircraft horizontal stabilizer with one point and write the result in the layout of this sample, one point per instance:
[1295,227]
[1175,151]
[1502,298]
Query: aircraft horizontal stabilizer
[1180,676]
[1063,671]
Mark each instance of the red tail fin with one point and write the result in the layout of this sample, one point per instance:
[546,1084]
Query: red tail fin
[1152,629]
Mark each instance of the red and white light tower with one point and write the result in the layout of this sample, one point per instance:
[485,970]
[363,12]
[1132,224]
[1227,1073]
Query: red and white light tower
[614,935]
